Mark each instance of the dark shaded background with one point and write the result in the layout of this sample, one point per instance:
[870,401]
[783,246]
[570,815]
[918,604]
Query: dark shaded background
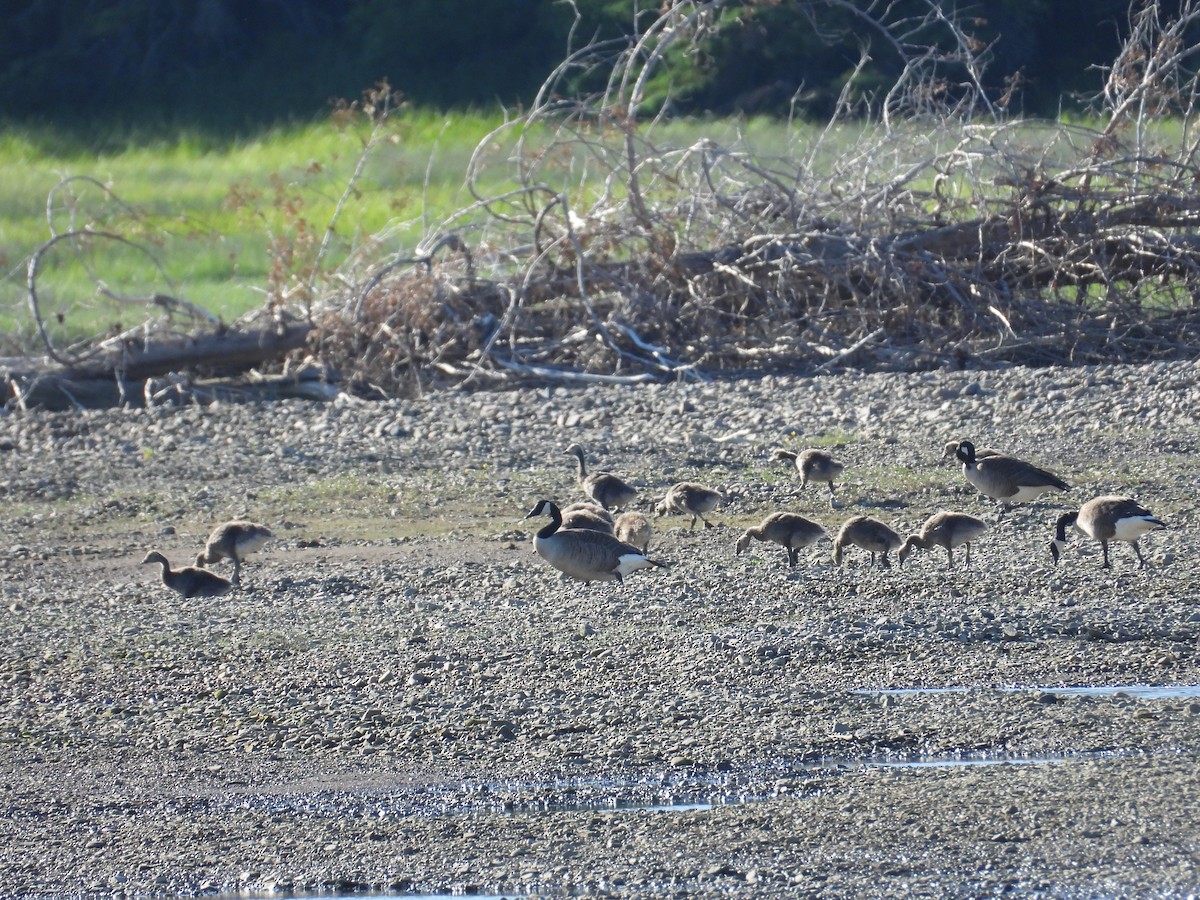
[233,65]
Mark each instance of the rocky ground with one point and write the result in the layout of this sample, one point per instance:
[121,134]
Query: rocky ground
[404,698]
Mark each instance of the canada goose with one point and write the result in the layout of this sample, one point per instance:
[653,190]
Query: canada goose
[813,465]
[867,534]
[190,582]
[234,541]
[1006,478]
[688,497]
[950,451]
[791,531]
[605,488]
[945,529]
[634,528]
[582,554]
[589,516]
[1107,519]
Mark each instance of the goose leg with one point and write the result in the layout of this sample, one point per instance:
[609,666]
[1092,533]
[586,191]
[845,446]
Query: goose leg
[1104,548]
[1141,559]
[793,555]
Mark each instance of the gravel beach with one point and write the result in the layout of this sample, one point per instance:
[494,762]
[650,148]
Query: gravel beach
[403,698]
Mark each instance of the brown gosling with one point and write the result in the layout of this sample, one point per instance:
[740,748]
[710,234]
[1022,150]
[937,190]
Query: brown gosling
[604,487]
[1006,478]
[190,582]
[586,555]
[866,534]
[813,465]
[234,541]
[945,529]
[589,516]
[1107,519]
[692,499]
[791,531]
[635,529]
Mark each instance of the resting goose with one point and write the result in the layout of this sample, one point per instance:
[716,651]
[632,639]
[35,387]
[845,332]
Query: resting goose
[633,528]
[690,498]
[234,541]
[189,582]
[866,534]
[945,529]
[586,555]
[791,531]
[813,465]
[1006,478]
[1107,519]
[605,488]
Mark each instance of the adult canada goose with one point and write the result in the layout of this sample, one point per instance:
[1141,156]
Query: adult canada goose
[1006,478]
[234,541]
[867,534]
[950,451]
[690,498]
[790,531]
[589,516]
[1107,519]
[604,487]
[813,465]
[586,555]
[190,582]
[634,528]
[945,529]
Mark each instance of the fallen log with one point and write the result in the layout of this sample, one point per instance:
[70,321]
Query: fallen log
[118,376]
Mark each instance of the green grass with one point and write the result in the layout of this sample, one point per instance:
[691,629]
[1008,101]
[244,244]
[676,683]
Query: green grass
[218,215]
[210,211]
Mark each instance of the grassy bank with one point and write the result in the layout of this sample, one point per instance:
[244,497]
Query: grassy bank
[218,221]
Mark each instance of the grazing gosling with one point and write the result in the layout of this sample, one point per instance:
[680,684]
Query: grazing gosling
[604,487]
[1107,519]
[190,582]
[867,534]
[945,529]
[586,555]
[687,497]
[791,531]
[813,465]
[234,541]
[634,528]
[589,516]
[1006,478]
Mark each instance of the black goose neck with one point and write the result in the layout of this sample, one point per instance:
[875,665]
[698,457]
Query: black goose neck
[555,521]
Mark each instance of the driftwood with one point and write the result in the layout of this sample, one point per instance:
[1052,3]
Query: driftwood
[126,375]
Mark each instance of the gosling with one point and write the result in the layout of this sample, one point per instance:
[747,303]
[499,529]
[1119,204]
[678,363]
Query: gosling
[813,465]
[690,498]
[589,516]
[867,534]
[234,541]
[635,529]
[945,529]
[190,582]
[791,531]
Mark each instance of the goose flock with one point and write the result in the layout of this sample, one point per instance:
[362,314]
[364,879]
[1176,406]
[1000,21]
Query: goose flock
[585,542]
[601,539]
